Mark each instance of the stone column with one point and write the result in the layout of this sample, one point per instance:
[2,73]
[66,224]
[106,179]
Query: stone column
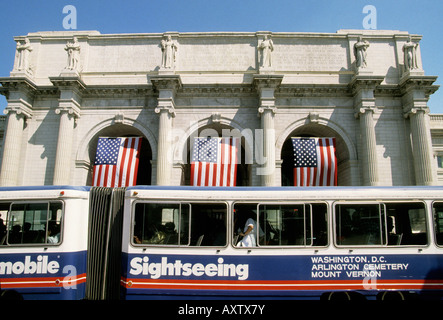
[19,92]
[416,90]
[63,162]
[164,158]
[368,147]
[364,103]
[167,86]
[421,147]
[267,125]
[12,150]
[69,111]
[266,86]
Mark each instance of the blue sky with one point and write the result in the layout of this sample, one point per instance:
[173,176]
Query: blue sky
[425,17]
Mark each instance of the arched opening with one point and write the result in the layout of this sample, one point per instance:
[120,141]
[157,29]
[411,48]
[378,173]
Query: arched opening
[315,130]
[121,130]
[219,130]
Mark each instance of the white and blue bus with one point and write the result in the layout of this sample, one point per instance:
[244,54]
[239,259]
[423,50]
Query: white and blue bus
[150,242]
[56,242]
[43,241]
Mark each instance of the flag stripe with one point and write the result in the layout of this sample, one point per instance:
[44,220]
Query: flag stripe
[120,174]
[234,160]
[322,160]
[134,171]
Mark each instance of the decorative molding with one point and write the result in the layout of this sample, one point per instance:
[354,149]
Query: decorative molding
[118,90]
[313,90]
[422,83]
[119,117]
[361,110]
[68,82]
[266,108]
[364,82]
[267,81]
[217,90]
[216,117]
[20,107]
[23,84]
[314,117]
[166,82]
[69,106]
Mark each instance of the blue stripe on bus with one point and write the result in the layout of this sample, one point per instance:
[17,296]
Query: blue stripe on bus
[153,274]
[44,275]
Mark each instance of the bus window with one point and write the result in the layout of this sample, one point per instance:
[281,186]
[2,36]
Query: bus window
[281,224]
[358,224]
[208,224]
[34,223]
[180,224]
[406,223]
[244,213]
[319,224]
[4,208]
[285,225]
[438,220]
[161,223]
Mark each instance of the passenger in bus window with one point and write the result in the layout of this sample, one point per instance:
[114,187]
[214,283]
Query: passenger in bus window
[2,232]
[53,232]
[249,232]
[15,234]
[171,234]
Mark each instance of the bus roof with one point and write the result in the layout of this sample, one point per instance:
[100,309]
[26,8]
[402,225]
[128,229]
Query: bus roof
[289,193]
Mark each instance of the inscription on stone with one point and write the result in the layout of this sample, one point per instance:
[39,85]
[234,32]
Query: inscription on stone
[311,57]
[217,57]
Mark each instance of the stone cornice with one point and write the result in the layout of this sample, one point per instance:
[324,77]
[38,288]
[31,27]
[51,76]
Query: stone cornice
[272,81]
[217,90]
[166,82]
[312,90]
[26,85]
[23,84]
[421,83]
[368,82]
[118,90]
[68,82]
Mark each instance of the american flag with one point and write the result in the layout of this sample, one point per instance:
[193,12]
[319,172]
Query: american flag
[214,161]
[116,162]
[315,163]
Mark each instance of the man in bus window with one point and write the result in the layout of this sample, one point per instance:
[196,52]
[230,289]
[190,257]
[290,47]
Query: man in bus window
[53,232]
[249,232]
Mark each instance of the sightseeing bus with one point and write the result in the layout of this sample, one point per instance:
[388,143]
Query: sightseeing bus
[42,249]
[54,242]
[324,243]
[152,242]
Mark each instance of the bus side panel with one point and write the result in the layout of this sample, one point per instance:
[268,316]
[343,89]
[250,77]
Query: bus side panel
[279,276]
[55,276]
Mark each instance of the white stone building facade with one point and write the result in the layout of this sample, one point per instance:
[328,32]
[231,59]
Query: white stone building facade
[365,88]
